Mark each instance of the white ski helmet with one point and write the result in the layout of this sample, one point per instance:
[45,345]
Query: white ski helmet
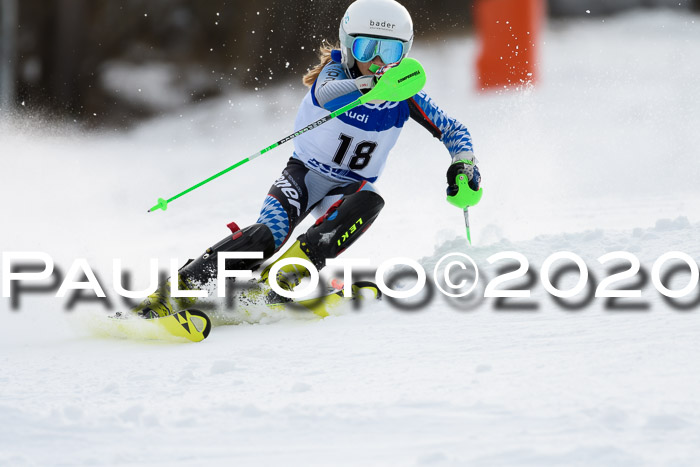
[386,19]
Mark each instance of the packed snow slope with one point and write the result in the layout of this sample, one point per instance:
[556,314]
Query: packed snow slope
[600,156]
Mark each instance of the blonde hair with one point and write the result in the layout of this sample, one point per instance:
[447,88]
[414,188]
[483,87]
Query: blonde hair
[324,57]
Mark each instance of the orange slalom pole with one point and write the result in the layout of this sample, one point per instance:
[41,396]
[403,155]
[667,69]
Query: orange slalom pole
[509,32]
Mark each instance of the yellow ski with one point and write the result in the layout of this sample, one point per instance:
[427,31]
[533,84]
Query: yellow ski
[320,306]
[192,325]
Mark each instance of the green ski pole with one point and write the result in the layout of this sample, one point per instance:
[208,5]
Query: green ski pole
[397,84]
[466,223]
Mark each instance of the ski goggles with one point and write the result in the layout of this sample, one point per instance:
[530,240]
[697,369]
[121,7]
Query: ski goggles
[365,49]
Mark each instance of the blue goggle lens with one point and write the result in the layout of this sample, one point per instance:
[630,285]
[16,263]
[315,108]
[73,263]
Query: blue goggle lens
[365,49]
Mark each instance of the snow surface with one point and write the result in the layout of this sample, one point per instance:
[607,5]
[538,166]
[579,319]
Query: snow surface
[601,156]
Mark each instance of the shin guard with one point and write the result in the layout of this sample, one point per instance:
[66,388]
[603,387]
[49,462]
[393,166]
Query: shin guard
[256,237]
[340,226]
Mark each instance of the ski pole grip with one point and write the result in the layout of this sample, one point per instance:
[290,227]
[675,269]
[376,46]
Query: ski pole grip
[398,83]
[465,196]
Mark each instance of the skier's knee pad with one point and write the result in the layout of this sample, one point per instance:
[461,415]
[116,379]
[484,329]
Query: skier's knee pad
[340,226]
[256,237]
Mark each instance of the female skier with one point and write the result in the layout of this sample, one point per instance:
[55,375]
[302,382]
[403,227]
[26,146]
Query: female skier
[334,167]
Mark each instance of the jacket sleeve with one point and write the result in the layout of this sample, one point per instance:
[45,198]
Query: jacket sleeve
[452,133]
[332,89]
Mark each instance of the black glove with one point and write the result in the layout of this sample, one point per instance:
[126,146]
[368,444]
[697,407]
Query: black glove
[461,167]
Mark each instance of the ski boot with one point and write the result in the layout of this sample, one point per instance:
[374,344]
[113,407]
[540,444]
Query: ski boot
[201,273]
[160,303]
[290,275]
